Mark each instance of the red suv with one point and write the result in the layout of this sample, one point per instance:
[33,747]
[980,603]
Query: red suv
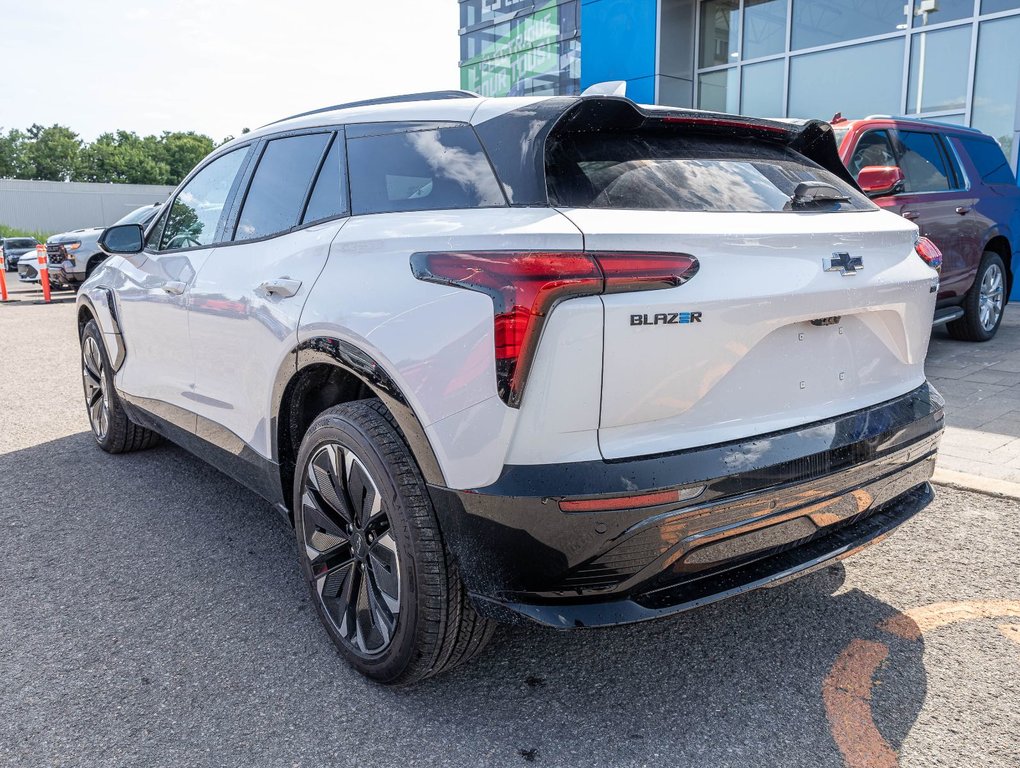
[957,186]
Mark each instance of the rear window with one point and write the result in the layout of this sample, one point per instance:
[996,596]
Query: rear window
[20,242]
[989,160]
[684,173]
[420,170]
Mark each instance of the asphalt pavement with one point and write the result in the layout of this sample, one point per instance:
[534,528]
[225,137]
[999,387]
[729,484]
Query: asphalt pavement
[152,614]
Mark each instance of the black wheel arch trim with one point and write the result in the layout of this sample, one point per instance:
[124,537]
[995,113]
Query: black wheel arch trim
[118,354]
[355,361]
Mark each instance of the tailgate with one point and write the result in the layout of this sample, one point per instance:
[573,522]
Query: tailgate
[767,335]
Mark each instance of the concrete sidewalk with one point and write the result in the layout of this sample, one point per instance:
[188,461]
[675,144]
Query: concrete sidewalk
[981,384]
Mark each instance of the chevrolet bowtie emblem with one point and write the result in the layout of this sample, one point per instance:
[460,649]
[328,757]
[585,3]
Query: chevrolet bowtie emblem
[843,263]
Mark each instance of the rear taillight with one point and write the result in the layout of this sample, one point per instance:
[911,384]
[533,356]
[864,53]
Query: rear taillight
[525,286]
[930,252]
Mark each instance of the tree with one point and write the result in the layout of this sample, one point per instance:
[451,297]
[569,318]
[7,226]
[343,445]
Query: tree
[12,154]
[180,152]
[122,157]
[54,153]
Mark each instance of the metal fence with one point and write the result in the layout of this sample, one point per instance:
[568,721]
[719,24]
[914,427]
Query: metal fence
[53,206]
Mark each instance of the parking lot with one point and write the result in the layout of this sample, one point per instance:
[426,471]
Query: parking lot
[152,614]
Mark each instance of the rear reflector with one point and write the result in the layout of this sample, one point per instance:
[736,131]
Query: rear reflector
[930,252]
[526,285]
[631,502]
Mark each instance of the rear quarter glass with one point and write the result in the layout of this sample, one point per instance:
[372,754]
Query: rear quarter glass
[421,170]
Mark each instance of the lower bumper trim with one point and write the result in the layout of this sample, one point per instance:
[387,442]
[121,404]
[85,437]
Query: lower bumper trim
[770,571]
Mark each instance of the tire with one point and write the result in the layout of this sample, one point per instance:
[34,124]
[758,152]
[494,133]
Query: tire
[388,558]
[94,262]
[984,303]
[111,427]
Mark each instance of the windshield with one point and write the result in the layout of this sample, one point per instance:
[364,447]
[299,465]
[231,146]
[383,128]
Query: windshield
[139,216]
[12,243]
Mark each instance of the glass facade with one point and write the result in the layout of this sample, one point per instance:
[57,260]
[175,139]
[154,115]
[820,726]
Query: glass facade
[520,47]
[950,60]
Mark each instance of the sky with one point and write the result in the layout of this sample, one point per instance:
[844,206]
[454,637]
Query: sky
[213,66]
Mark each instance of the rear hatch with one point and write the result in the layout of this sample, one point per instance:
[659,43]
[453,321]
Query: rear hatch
[801,310]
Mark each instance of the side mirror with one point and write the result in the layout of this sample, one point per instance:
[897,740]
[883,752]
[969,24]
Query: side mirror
[122,239]
[878,180]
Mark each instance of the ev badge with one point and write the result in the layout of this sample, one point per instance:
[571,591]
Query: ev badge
[844,263]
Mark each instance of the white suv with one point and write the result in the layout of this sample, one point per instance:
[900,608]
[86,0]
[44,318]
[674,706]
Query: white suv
[568,360]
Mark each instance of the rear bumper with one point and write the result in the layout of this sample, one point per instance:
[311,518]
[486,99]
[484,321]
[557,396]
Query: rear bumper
[771,508]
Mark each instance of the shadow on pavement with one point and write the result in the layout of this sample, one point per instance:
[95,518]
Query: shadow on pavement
[152,611]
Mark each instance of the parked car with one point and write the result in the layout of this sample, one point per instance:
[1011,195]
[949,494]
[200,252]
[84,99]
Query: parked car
[572,361]
[73,256]
[28,268]
[13,248]
[957,186]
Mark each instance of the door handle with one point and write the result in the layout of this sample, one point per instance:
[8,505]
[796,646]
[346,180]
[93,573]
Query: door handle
[174,287]
[284,287]
[911,215]
[963,209]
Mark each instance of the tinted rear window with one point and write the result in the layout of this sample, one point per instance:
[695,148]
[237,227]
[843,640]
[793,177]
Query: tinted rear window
[420,170]
[277,193]
[989,160]
[683,173]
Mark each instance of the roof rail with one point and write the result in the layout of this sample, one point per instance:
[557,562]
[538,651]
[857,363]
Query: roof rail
[424,96]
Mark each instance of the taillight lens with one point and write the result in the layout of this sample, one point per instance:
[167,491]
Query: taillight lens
[526,285]
[930,252]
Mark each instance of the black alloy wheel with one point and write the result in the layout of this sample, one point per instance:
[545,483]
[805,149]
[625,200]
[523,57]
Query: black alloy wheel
[350,549]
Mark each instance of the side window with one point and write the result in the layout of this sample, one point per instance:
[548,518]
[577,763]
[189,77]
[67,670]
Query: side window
[921,161]
[195,214]
[873,148]
[989,160]
[420,170]
[280,185]
[329,196]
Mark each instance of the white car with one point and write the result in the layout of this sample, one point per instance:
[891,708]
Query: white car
[573,361]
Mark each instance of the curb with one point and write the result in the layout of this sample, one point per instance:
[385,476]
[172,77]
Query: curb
[989,486]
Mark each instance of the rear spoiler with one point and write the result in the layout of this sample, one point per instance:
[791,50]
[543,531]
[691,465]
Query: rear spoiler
[520,164]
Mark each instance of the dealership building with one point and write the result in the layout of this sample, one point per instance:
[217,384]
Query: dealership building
[951,60]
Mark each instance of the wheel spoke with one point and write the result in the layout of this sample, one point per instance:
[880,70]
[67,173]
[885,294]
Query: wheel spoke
[383,617]
[324,476]
[324,529]
[382,559]
[364,498]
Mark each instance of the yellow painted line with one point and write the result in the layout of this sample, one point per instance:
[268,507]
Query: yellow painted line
[846,690]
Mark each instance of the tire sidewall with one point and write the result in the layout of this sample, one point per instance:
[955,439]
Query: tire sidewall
[335,427]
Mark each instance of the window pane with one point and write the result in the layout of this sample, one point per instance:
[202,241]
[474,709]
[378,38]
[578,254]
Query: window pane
[277,192]
[873,148]
[995,83]
[329,197]
[682,173]
[948,10]
[761,89]
[421,171]
[820,22]
[764,28]
[939,63]
[195,213]
[994,6]
[719,20]
[857,81]
[717,91]
[991,164]
[921,162]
